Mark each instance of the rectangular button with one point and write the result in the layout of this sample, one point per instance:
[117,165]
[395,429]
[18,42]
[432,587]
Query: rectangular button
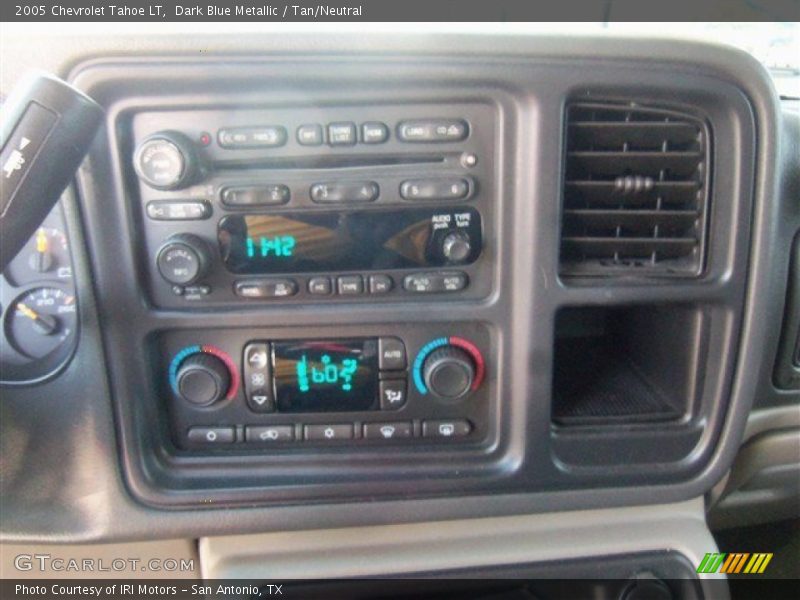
[320,286]
[21,148]
[380,284]
[393,394]
[446,429]
[344,191]
[185,210]
[434,189]
[260,195]
[196,292]
[422,283]
[266,288]
[454,282]
[256,380]
[387,431]
[211,435]
[428,283]
[342,134]
[260,400]
[329,432]
[374,132]
[309,135]
[350,285]
[432,130]
[391,354]
[268,434]
[269,136]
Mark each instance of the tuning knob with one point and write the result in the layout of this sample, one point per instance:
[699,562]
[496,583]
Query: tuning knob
[167,160]
[448,372]
[456,246]
[183,260]
[203,379]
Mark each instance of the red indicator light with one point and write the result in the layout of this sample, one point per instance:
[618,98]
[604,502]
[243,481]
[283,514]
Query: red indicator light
[205,139]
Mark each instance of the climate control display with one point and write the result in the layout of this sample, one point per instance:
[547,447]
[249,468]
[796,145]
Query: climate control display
[325,376]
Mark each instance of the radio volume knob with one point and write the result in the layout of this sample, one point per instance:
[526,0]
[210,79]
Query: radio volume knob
[448,372]
[456,246]
[203,379]
[167,160]
[183,259]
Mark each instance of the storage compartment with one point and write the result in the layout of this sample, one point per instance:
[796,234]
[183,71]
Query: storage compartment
[626,364]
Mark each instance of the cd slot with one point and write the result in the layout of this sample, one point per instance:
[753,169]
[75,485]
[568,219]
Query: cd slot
[328,162]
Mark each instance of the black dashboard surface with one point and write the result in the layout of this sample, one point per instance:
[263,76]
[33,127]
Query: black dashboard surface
[110,474]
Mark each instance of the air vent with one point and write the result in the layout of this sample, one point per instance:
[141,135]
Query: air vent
[635,192]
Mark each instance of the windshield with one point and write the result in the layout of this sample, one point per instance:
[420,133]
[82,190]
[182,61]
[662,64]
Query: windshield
[775,44]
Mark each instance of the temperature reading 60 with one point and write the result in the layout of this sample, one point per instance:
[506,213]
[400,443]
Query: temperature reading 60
[326,372]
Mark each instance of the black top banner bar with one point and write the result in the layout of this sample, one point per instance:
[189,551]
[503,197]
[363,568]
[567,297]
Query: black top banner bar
[396,10]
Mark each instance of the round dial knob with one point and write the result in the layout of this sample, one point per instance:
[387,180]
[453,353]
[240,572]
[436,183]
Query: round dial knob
[203,379]
[448,372]
[166,161]
[456,246]
[183,259]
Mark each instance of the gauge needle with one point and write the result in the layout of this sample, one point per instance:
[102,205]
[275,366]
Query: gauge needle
[41,241]
[45,324]
[40,261]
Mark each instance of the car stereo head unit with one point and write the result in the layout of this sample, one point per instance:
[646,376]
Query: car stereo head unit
[300,204]
[304,242]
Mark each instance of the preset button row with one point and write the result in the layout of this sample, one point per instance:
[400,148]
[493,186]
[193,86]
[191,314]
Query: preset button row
[270,434]
[344,133]
[351,285]
[326,192]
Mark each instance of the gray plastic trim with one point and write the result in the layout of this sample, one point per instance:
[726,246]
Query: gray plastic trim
[392,550]
[764,482]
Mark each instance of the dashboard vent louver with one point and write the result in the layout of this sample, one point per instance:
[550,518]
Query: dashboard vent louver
[635,191]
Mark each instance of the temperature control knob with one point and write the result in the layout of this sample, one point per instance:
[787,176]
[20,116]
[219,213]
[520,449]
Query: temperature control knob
[456,246]
[203,379]
[183,259]
[167,161]
[448,372]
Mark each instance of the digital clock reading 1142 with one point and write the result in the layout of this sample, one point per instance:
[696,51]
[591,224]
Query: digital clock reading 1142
[264,247]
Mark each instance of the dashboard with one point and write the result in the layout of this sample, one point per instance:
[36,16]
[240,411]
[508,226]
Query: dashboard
[386,281]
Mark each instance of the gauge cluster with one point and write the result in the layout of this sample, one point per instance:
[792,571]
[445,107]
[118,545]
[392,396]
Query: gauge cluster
[38,305]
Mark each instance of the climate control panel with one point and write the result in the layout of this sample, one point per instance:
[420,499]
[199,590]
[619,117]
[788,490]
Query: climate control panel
[248,390]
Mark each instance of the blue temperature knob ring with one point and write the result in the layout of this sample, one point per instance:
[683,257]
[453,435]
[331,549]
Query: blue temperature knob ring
[466,345]
[188,351]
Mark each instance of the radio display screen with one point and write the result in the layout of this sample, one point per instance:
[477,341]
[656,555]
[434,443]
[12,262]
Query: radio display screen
[343,241]
[325,375]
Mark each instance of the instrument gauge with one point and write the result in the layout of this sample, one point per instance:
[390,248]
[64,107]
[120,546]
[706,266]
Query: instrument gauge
[40,321]
[45,256]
